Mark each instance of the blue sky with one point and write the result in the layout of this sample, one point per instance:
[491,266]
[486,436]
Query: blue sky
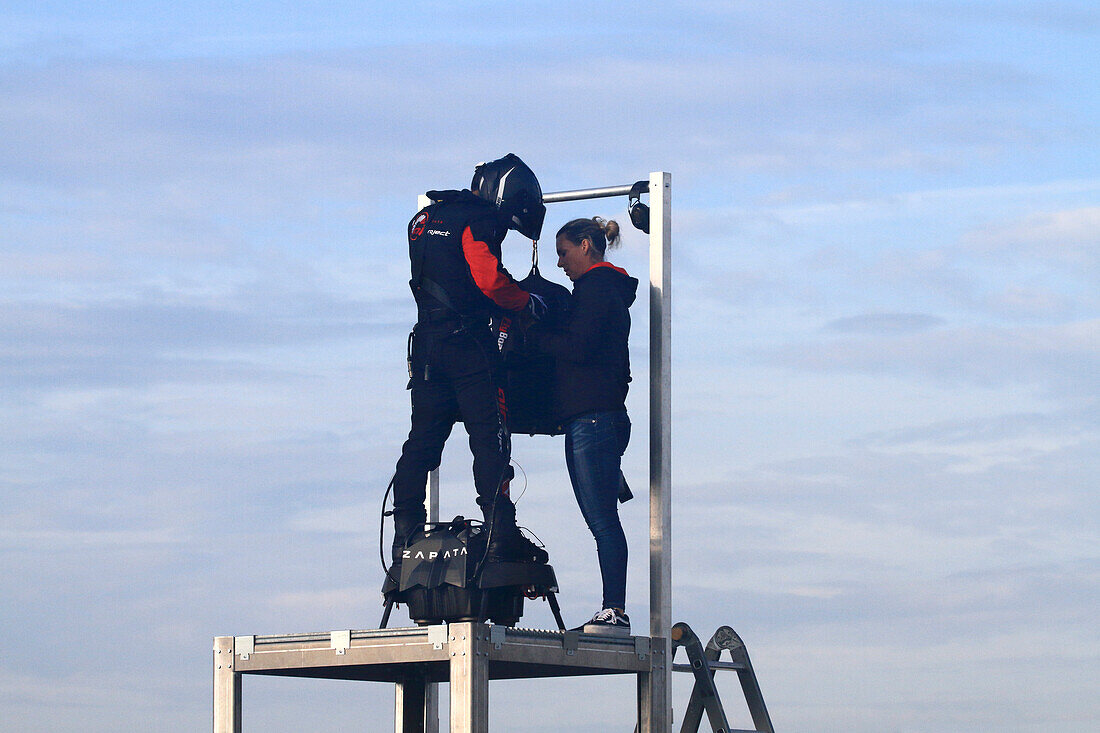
[886,340]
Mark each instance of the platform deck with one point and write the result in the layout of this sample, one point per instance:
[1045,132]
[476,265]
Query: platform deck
[465,655]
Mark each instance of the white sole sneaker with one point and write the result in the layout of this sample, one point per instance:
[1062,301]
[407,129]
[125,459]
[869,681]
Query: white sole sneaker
[606,630]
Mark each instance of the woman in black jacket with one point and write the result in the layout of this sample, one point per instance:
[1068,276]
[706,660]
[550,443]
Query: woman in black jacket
[592,374]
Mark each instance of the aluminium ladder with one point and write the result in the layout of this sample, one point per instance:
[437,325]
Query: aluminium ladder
[703,663]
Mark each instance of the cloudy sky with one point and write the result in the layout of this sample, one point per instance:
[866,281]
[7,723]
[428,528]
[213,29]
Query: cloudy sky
[886,341]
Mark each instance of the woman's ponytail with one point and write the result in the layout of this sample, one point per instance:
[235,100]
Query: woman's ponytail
[600,232]
[610,231]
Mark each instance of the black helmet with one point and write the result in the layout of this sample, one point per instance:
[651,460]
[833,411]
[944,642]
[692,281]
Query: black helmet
[511,186]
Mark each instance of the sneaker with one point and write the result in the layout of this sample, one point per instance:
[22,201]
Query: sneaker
[608,622]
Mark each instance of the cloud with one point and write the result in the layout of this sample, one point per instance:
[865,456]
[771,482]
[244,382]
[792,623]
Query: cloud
[885,323]
[1079,420]
[1062,361]
[161,339]
[170,133]
[55,540]
[1067,17]
[339,601]
[334,519]
[1069,238]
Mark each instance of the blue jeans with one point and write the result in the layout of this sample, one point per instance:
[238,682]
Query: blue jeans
[594,447]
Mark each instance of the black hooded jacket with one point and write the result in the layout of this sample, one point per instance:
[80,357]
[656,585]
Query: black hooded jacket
[591,353]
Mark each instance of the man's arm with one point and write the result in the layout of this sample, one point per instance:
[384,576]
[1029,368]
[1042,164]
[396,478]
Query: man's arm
[489,274]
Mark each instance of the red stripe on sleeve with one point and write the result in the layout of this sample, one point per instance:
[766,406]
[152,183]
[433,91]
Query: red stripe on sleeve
[489,275]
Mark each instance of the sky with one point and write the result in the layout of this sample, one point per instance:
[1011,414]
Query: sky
[886,342]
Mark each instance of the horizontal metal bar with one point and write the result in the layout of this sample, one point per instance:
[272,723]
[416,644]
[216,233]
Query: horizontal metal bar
[324,636]
[713,665]
[521,634]
[391,655]
[587,193]
[514,633]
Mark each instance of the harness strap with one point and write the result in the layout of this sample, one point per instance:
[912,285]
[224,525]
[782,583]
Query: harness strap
[432,288]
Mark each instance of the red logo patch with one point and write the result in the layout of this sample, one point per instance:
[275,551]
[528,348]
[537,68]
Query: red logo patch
[418,226]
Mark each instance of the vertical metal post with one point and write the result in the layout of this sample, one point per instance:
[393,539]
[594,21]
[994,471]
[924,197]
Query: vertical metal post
[431,501]
[654,696]
[412,713]
[227,688]
[408,706]
[660,427]
[431,708]
[469,677]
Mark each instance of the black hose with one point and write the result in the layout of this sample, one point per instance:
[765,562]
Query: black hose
[382,530]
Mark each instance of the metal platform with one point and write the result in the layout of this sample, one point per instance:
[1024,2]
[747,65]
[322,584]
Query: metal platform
[467,655]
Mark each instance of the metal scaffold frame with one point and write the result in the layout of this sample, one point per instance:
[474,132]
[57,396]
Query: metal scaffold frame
[468,655]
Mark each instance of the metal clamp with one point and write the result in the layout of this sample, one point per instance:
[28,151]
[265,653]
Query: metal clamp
[244,645]
[497,635]
[641,646]
[341,641]
[437,636]
[569,642]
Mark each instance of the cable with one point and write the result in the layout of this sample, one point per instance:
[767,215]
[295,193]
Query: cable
[492,522]
[524,490]
[504,471]
[382,530]
[528,530]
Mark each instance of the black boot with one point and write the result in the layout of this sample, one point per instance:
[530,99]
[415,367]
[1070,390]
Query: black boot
[506,542]
[405,524]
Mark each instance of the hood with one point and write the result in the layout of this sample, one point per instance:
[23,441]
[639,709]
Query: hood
[608,275]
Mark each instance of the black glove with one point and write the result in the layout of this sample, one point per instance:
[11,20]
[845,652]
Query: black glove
[536,307]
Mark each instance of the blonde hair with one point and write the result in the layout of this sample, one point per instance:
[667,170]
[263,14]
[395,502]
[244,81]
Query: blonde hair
[602,233]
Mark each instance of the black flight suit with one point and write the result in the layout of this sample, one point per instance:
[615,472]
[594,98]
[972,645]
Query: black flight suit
[458,281]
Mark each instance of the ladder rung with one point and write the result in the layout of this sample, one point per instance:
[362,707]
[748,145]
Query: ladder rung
[712,665]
